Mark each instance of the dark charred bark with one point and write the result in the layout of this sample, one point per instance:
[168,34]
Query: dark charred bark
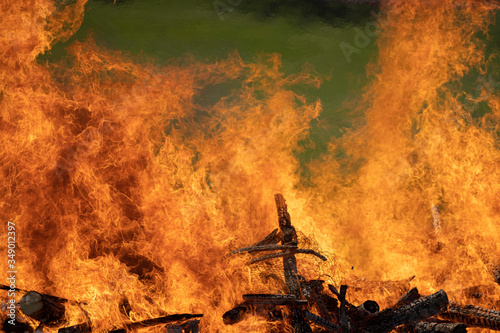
[363,312]
[416,311]
[269,297]
[264,248]
[8,288]
[289,237]
[317,297]
[81,328]
[322,322]
[48,310]
[343,310]
[337,293]
[331,303]
[473,316]
[287,253]
[273,238]
[299,323]
[15,326]
[410,296]
[156,321]
[266,310]
[274,299]
[236,314]
[191,326]
[290,263]
[496,274]
[440,328]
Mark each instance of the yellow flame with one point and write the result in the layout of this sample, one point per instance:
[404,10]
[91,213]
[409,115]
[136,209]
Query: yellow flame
[125,184]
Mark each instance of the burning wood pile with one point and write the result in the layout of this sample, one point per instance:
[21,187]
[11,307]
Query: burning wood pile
[49,313]
[305,305]
[308,307]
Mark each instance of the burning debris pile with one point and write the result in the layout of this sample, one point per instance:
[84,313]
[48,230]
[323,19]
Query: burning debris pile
[128,183]
[47,312]
[308,308]
[305,306]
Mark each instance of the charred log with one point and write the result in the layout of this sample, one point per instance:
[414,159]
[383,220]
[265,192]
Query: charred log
[309,251]
[364,311]
[55,298]
[410,296]
[236,314]
[416,311]
[289,237]
[331,303]
[287,254]
[269,297]
[191,326]
[317,297]
[337,293]
[343,314]
[81,328]
[299,323]
[8,288]
[322,322]
[473,316]
[369,307]
[274,299]
[290,263]
[440,328]
[156,321]
[496,274]
[264,248]
[266,310]
[48,310]
[261,305]
[273,238]
[15,326]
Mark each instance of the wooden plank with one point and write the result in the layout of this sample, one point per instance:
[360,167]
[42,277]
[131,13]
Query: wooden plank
[414,312]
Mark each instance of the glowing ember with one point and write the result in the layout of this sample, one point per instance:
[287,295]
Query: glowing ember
[128,193]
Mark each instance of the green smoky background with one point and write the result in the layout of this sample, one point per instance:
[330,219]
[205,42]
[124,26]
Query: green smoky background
[336,38]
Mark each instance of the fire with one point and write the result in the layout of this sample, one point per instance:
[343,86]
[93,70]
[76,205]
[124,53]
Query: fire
[422,200]
[128,187]
[124,186]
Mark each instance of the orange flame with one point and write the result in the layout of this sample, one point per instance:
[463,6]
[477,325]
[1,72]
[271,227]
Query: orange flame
[123,184]
[423,200]
[126,182]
